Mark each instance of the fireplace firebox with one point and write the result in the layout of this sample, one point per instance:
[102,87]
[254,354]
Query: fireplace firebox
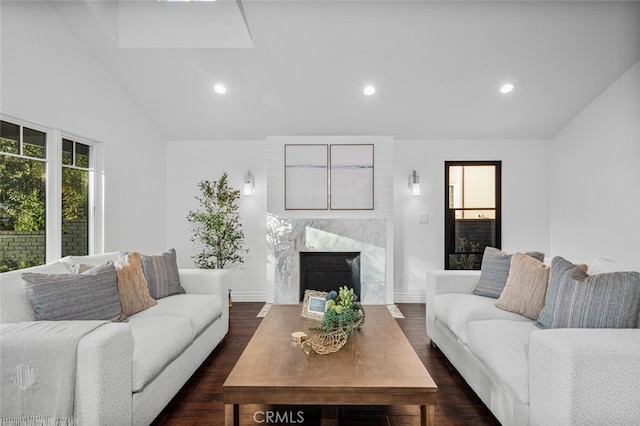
[326,271]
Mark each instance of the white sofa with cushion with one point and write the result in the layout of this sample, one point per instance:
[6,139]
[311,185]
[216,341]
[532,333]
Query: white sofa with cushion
[531,376]
[127,372]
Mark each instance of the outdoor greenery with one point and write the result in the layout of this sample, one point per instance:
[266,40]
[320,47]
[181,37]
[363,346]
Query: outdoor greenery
[467,260]
[216,228]
[23,197]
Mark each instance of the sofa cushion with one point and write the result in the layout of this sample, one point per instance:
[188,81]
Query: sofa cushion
[578,300]
[161,272]
[92,295]
[526,287]
[601,265]
[495,271]
[157,342]
[14,302]
[503,346]
[199,309]
[132,285]
[90,259]
[456,310]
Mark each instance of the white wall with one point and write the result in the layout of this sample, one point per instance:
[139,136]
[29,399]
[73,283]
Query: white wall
[50,78]
[595,186]
[525,202]
[188,163]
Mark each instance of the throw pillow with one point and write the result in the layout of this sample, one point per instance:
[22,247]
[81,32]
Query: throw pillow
[161,273]
[91,295]
[132,286]
[495,271]
[526,287]
[578,300]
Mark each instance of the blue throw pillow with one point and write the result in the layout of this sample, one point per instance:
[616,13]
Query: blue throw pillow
[576,299]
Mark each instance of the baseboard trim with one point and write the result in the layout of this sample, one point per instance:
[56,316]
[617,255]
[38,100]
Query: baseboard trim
[409,298]
[247,296]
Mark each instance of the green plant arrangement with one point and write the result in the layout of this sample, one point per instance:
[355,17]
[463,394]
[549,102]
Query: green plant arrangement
[216,228]
[342,316]
[343,312]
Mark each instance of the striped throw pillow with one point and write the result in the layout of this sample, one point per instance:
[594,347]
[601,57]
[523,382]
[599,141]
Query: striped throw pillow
[92,295]
[495,271]
[161,272]
[578,300]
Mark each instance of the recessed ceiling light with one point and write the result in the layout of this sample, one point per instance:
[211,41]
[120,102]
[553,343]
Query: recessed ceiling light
[369,90]
[220,89]
[506,88]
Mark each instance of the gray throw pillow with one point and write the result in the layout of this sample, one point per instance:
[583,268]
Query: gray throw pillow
[92,295]
[495,271]
[161,273]
[578,300]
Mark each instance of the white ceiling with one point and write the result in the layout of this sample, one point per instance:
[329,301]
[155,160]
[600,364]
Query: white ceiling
[437,66]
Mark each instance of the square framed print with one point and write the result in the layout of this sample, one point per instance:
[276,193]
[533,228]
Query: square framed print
[314,304]
[306,173]
[352,177]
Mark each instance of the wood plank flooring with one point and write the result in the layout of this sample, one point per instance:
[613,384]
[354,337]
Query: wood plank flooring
[199,402]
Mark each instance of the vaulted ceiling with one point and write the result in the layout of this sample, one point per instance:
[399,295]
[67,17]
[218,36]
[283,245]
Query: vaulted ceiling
[299,67]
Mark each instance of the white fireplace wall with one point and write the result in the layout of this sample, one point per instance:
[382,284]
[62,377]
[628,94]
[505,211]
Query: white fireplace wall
[287,237]
[370,229]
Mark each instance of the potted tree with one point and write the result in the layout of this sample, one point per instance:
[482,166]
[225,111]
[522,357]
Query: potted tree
[216,228]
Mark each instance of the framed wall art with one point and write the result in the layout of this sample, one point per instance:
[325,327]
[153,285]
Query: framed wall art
[351,177]
[306,170]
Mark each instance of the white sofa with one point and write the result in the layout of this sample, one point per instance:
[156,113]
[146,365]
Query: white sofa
[126,373]
[529,376]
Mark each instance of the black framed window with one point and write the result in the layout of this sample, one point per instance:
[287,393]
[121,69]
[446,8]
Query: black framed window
[473,214]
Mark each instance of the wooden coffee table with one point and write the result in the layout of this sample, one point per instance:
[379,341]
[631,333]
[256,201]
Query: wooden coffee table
[377,366]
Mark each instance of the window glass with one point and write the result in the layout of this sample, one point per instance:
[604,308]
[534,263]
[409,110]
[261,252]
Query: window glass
[75,198]
[9,137]
[22,200]
[82,155]
[34,143]
[67,152]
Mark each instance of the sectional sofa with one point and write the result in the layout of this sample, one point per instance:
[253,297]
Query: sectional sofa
[528,375]
[126,372]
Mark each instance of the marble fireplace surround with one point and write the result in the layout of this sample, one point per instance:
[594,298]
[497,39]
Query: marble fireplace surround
[287,237]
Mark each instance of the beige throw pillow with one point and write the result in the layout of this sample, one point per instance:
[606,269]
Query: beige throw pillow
[132,285]
[526,287]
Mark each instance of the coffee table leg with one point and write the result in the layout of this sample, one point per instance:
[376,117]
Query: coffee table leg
[232,415]
[329,415]
[428,415]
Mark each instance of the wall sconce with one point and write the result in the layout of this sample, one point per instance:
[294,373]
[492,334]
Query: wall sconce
[248,184]
[414,184]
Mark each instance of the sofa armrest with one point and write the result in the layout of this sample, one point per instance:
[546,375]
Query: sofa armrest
[103,376]
[204,281]
[584,376]
[441,282]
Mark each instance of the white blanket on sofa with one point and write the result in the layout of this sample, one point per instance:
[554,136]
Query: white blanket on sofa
[38,370]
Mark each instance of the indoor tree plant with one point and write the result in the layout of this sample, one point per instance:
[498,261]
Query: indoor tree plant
[216,228]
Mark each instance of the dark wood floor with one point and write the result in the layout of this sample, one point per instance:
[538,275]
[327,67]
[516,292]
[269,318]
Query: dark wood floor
[200,400]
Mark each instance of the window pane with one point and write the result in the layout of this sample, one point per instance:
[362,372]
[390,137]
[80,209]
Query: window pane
[75,211]
[9,137]
[22,212]
[34,143]
[67,152]
[82,155]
